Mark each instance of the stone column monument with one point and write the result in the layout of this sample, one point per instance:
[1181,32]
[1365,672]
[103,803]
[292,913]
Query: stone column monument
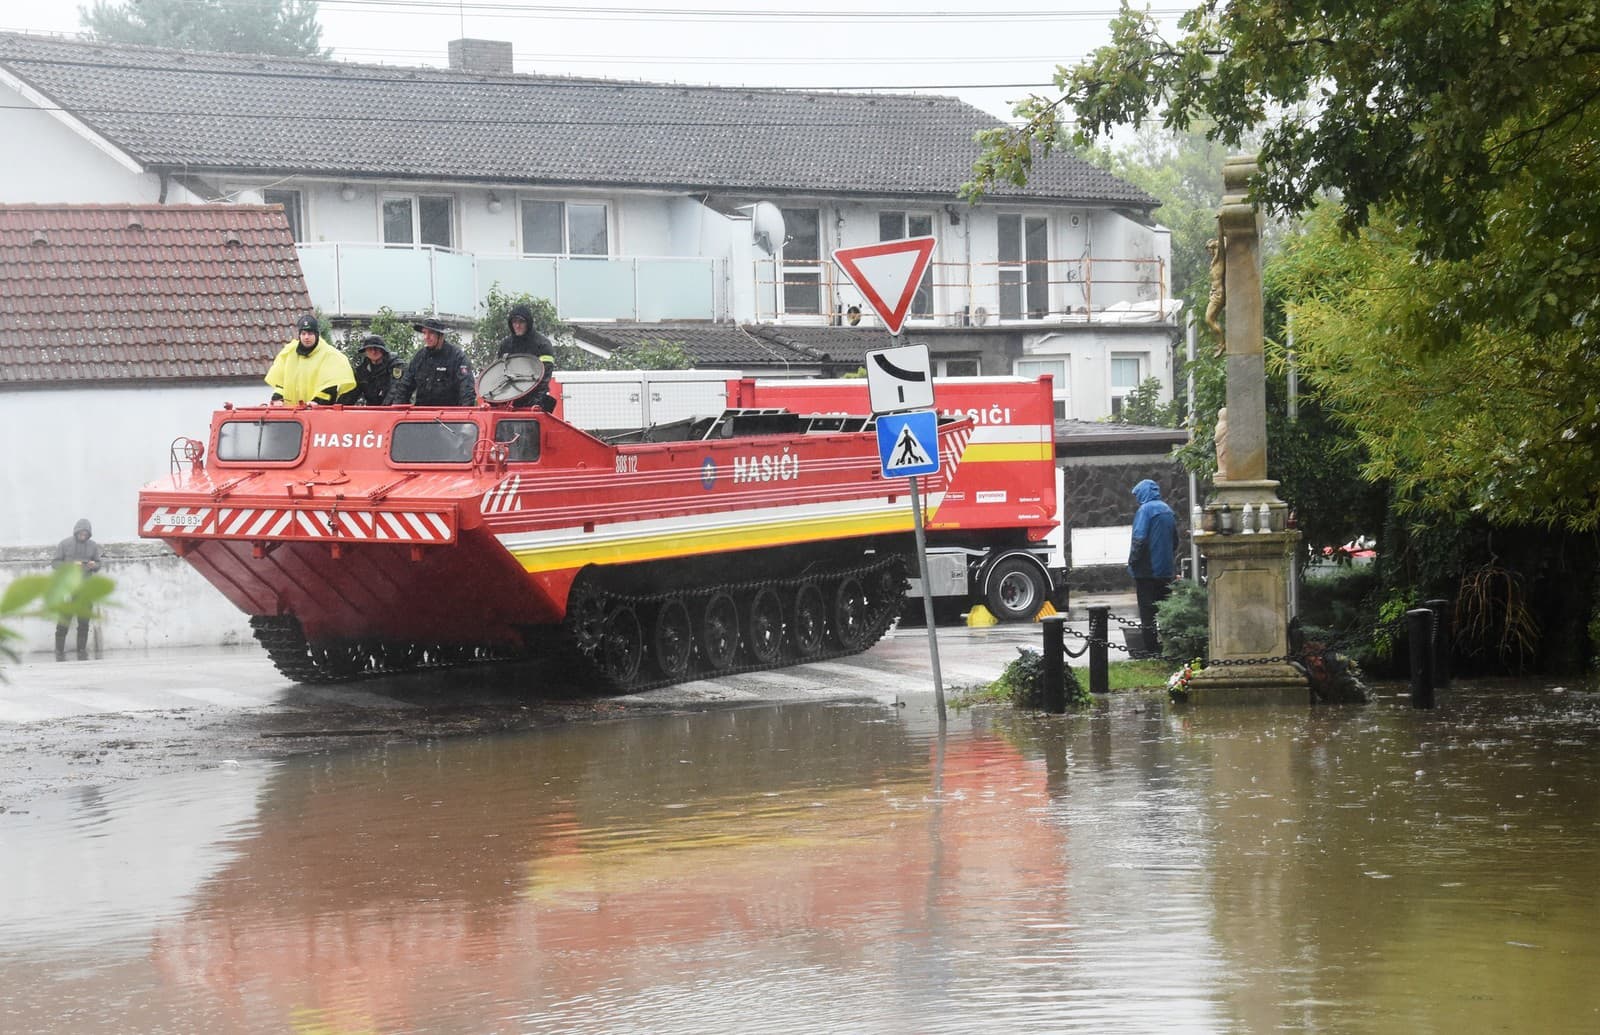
[1246,542]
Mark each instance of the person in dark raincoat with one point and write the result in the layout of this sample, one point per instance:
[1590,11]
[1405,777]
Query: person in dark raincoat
[526,341]
[1150,557]
[376,372]
[439,374]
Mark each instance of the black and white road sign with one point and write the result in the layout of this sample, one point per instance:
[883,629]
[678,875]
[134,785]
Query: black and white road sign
[900,379]
[908,444]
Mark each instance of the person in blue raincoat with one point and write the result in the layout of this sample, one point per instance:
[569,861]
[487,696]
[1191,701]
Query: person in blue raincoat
[1150,557]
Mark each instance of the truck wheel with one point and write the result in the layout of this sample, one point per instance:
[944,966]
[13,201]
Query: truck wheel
[1016,590]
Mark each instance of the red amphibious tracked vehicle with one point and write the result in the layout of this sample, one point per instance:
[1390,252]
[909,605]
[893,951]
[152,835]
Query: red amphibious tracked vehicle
[372,539]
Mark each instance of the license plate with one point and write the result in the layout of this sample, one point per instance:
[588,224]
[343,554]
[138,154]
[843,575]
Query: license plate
[183,520]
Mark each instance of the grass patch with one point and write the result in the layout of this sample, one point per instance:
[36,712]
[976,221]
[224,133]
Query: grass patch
[1120,675]
[1139,675]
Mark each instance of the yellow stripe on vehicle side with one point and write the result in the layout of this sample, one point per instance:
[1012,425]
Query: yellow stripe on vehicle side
[687,542]
[1007,452]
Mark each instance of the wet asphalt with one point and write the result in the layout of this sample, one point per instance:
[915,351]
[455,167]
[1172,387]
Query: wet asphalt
[131,714]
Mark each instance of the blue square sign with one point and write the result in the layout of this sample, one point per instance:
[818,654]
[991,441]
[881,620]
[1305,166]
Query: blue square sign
[908,444]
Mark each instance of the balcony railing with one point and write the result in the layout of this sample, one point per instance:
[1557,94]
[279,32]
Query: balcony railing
[360,279]
[1082,290]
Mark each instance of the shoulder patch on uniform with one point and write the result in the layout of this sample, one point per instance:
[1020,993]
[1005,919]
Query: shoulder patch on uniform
[397,373]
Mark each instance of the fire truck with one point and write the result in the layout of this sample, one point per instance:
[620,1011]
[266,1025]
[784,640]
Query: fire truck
[362,540]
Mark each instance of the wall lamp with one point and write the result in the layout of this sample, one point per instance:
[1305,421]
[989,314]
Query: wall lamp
[347,193]
[495,204]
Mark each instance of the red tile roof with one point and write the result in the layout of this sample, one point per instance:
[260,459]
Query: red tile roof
[144,293]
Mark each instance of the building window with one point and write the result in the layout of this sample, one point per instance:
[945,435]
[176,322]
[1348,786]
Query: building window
[956,366]
[897,226]
[801,272]
[1024,266]
[1126,373]
[1057,369]
[419,219]
[290,200]
[565,228]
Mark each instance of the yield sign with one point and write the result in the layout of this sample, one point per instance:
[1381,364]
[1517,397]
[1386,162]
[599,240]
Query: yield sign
[887,274]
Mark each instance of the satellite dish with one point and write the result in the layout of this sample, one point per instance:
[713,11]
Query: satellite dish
[510,379]
[766,227]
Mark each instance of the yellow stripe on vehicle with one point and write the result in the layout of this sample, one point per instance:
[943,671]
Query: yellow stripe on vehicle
[1007,452]
[683,542]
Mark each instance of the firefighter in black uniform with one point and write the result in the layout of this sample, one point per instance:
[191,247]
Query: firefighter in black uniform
[376,373]
[524,340]
[438,375]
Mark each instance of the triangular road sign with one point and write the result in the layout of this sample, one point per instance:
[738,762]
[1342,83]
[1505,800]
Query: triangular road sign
[887,275]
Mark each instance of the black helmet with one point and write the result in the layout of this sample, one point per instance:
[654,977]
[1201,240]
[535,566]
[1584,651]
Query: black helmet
[308,323]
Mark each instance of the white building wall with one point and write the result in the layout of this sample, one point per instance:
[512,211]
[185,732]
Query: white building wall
[50,163]
[86,452]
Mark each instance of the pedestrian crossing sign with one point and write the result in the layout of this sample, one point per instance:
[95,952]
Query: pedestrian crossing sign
[908,444]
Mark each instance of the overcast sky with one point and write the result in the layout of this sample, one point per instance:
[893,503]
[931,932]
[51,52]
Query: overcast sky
[990,54]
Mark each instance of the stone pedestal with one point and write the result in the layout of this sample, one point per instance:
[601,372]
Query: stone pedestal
[1248,578]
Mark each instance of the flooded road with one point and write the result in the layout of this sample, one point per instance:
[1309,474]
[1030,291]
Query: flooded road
[834,867]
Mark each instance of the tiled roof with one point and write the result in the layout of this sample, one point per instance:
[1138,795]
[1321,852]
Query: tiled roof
[119,293]
[709,344]
[198,112]
[753,345]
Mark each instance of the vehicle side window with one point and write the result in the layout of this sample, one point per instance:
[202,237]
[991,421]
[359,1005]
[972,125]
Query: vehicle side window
[522,438]
[254,441]
[433,442]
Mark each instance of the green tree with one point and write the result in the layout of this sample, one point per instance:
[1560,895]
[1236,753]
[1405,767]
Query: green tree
[1424,107]
[395,331]
[287,28]
[1183,171]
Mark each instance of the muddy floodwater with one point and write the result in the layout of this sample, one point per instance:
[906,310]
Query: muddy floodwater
[811,868]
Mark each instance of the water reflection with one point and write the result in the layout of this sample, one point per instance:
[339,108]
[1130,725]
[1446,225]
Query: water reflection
[842,868]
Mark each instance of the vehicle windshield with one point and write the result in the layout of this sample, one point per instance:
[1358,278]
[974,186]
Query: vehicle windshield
[433,442]
[256,441]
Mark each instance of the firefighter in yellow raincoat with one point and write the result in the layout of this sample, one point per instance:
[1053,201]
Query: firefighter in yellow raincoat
[309,369]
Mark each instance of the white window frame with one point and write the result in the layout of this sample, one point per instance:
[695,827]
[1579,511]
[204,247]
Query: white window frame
[941,365]
[922,302]
[806,267]
[415,199]
[294,209]
[564,208]
[1024,268]
[1060,367]
[1141,362]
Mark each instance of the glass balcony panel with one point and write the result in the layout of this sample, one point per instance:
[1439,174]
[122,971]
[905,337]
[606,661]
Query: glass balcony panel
[677,289]
[536,277]
[320,264]
[371,277]
[455,290]
[596,289]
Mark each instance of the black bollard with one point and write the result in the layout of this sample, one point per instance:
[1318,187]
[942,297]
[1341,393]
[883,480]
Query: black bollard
[1055,685]
[1099,680]
[1442,634]
[1419,630]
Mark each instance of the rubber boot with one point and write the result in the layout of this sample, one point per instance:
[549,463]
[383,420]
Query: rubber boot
[83,641]
[61,643]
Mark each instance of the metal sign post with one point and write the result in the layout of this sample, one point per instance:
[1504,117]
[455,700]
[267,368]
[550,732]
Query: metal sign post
[908,446]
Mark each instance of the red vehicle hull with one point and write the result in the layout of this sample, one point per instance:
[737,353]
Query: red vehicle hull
[450,530]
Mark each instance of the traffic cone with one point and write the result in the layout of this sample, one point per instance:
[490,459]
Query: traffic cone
[980,618]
